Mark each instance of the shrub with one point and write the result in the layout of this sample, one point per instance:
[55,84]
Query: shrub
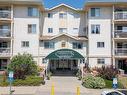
[79,75]
[107,72]
[29,81]
[93,82]
[22,65]
[4,83]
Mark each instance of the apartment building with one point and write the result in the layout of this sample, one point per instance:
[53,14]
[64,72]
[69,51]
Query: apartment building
[63,37]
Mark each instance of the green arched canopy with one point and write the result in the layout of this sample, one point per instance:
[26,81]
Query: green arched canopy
[64,54]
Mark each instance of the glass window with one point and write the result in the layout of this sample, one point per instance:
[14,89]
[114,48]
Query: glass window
[100,44]
[101,61]
[44,60]
[3,44]
[76,15]
[63,44]
[32,28]
[50,30]
[95,29]
[48,45]
[63,30]
[75,30]
[63,15]
[50,15]
[25,43]
[95,12]
[77,45]
[33,12]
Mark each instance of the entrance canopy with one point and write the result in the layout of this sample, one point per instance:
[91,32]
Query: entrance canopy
[64,54]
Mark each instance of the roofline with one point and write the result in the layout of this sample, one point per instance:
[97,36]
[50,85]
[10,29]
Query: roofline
[76,9]
[102,3]
[24,2]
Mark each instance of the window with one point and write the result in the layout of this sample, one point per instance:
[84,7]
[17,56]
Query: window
[101,61]
[77,45]
[32,28]
[95,29]
[95,12]
[82,61]
[48,45]
[63,15]
[62,30]
[3,44]
[75,30]
[50,30]
[25,43]
[100,44]
[63,44]
[33,12]
[76,15]
[44,60]
[50,15]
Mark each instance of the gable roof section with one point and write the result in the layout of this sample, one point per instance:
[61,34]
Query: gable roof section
[65,5]
[63,34]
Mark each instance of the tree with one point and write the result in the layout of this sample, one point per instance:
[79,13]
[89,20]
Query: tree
[22,65]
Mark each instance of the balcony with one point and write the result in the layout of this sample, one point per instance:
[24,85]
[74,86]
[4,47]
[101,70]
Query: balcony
[5,32]
[121,51]
[120,34]
[6,14]
[120,15]
[5,52]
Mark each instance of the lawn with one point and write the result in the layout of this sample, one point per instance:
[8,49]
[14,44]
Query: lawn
[109,84]
[123,81]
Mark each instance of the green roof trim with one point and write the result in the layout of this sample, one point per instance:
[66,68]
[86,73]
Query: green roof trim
[64,54]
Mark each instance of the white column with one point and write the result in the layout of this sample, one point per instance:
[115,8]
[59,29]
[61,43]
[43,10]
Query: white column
[113,36]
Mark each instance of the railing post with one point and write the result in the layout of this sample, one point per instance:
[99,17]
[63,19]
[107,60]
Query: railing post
[78,91]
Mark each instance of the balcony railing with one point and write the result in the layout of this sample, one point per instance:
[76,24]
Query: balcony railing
[121,51]
[120,34]
[5,14]
[5,32]
[5,51]
[120,15]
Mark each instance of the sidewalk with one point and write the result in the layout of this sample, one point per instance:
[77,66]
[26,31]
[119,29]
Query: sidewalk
[62,86]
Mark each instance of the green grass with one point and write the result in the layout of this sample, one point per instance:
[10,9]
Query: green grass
[109,84]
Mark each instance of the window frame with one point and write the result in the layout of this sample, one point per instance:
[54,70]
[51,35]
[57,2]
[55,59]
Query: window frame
[95,12]
[100,44]
[50,15]
[49,45]
[63,15]
[32,12]
[25,44]
[32,28]
[95,29]
[76,46]
[101,61]
[50,30]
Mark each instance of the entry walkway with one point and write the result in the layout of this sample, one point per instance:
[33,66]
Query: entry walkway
[66,86]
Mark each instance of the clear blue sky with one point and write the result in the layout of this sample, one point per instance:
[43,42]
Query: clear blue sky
[73,3]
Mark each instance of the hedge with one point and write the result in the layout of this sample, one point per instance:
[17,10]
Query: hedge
[29,81]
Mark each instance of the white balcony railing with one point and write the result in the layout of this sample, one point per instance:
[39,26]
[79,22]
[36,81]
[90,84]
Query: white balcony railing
[120,34]
[120,15]
[5,14]
[5,51]
[121,51]
[5,32]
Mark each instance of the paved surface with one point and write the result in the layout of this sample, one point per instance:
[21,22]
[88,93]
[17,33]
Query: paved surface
[66,86]
[63,86]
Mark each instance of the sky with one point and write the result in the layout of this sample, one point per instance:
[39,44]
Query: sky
[73,3]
